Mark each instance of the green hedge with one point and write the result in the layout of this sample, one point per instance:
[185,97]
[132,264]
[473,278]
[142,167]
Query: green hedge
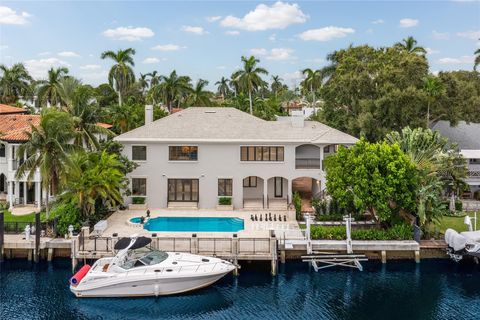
[225,201]
[67,214]
[397,232]
[297,203]
[138,200]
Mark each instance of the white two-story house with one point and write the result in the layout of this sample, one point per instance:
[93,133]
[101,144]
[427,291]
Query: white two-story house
[198,155]
[467,138]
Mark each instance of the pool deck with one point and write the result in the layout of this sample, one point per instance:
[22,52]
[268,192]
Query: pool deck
[118,223]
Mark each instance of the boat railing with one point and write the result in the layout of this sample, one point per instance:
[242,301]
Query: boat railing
[176,269]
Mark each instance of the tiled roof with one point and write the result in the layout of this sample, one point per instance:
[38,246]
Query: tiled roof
[6,109]
[104,125]
[229,125]
[466,136]
[15,127]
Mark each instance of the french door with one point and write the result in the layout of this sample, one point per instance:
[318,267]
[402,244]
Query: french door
[278,186]
[183,190]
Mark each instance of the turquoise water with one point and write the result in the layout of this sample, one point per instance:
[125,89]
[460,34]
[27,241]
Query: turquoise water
[192,224]
[437,289]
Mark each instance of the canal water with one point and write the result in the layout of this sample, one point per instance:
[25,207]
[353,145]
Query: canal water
[436,289]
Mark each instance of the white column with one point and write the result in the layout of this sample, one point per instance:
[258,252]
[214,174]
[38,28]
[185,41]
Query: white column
[25,190]
[17,190]
[289,190]
[321,157]
[37,194]
[11,197]
[265,193]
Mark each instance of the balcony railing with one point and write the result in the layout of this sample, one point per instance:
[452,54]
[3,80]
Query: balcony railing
[307,163]
[474,174]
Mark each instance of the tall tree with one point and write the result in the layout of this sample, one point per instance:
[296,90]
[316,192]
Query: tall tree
[313,81]
[433,87]
[154,78]
[410,45]
[14,82]
[121,75]
[171,89]
[276,85]
[48,90]
[48,149]
[198,96]
[477,59]
[143,83]
[249,77]
[222,87]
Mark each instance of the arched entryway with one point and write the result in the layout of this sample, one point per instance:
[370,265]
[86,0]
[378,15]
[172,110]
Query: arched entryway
[308,188]
[253,195]
[277,193]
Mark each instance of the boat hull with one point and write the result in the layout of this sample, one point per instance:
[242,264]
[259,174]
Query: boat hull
[153,286]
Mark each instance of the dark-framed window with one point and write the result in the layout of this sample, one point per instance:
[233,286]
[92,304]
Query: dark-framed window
[225,187]
[278,187]
[262,153]
[250,182]
[183,153]
[326,149]
[139,186]
[139,153]
[183,190]
[2,150]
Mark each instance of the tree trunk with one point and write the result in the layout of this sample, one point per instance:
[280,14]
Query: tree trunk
[250,99]
[428,114]
[119,98]
[47,204]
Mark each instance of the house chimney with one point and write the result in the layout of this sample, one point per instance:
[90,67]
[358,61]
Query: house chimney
[297,119]
[148,113]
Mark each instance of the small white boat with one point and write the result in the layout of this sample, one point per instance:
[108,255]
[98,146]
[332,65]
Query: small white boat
[139,271]
[464,244]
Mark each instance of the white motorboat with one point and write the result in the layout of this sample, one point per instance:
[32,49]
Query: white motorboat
[137,270]
[464,244]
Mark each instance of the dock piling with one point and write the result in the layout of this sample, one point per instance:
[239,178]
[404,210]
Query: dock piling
[417,256]
[384,256]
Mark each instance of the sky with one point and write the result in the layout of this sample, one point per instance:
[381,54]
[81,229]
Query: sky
[205,39]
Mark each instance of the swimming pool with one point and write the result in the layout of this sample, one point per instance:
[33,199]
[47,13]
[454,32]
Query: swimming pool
[192,224]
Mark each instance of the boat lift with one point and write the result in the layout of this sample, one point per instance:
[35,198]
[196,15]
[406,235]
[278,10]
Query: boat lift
[322,260]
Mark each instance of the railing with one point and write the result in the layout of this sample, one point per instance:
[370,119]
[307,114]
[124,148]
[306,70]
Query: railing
[17,227]
[95,244]
[307,163]
[474,173]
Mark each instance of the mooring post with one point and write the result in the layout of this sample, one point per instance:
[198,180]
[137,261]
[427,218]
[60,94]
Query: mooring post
[2,233]
[194,244]
[273,252]
[384,256]
[235,253]
[417,256]
[37,237]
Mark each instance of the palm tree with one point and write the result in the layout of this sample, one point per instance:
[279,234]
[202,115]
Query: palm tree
[66,88]
[234,84]
[172,88]
[48,89]
[222,87]
[477,59]
[433,87]
[313,81]
[249,77]
[94,176]
[14,82]
[199,97]
[121,75]
[143,83]
[276,85]
[410,45]
[154,78]
[48,149]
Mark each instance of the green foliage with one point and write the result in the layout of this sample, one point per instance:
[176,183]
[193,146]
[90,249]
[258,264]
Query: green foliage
[377,177]
[297,203]
[138,200]
[67,214]
[226,201]
[396,232]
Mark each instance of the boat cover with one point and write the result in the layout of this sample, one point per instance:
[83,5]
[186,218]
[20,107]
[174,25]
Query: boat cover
[472,235]
[455,240]
[139,243]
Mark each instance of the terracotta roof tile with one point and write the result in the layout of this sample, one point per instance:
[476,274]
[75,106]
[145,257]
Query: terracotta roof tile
[15,127]
[6,109]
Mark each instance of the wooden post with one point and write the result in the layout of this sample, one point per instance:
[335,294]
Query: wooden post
[37,237]
[282,256]
[235,253]
[417,256]
[50,254]
[384,256]
[2,233]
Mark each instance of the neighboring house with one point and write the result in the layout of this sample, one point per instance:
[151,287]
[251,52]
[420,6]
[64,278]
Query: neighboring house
[195,156]
[467,137]
[14,128]
[302,107]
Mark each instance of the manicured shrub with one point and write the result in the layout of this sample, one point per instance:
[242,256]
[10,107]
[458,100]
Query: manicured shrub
[458,206]
[138,200]
[297,203]
[397,232]
[225,201]
[67,214]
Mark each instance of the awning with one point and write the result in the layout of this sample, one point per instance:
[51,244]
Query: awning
[470,154]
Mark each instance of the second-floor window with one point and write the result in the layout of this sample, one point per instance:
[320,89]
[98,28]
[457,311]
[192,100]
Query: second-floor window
[2,150]
[139,187]
[183,153]
[258,153]
[139,153]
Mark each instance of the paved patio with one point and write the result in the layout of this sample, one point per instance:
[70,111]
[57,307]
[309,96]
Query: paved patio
[118,223]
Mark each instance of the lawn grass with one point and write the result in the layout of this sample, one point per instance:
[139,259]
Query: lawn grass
[9,217]
[455,223]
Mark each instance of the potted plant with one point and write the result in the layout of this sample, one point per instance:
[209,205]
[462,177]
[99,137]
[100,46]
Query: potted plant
[225,203]
[138,203]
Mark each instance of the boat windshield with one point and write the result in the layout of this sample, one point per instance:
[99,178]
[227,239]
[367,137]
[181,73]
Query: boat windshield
[149,259]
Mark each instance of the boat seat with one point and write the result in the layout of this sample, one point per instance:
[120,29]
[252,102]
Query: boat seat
[105,267]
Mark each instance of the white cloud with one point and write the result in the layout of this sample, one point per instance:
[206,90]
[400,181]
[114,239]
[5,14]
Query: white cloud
[277,16]
[68,54]
[3,47]
[232,33]
[128,33]
[408,23]
[461,60]
[94,77]
[213,18]
[431,51]
[277,54]
[10,16]
[45,53]
[38,67]
[473,35]
[168,47]
[316,60]
[378,21]
[325,34]
[272,37]
[440,35]
[293,78]
[152,60]
[90,67]
[196,30]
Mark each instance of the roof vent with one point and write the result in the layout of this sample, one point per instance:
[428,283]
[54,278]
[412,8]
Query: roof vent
[210,111]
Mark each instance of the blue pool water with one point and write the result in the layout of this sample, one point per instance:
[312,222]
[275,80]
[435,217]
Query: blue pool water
[437,289]
[192,224]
